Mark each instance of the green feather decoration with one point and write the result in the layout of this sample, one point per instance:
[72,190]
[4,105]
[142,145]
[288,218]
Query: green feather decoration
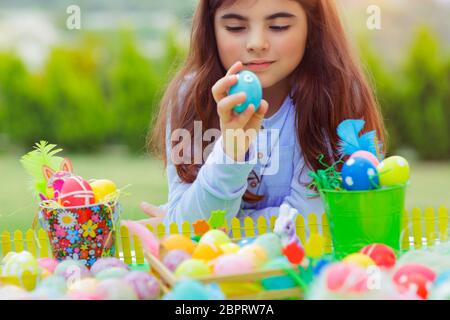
[34,161]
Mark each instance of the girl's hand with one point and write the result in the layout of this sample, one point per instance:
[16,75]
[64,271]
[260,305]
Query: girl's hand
[155,213]
[243,126]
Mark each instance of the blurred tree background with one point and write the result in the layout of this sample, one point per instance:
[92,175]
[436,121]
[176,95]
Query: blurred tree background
[97,89]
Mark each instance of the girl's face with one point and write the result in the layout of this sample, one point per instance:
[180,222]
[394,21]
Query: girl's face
[268,36]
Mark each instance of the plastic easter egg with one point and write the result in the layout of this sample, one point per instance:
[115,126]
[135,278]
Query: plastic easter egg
[192,268]
[381,254]
[113,272]
[76,192]
[116,289]
[407,270]
[359,174]
[255,253]
[106,263]
[102,188]
[216,237]
[178,242]
[320,265]
[246,241]
[87,285]
[230,248]
[393,171]
[53,282]
[206,251]
[366,155]
[72,270]
[346,277]
[278,282]
[249,83]
[359,259]
[271,244]
[442,278]
[18,264]
[232,264]
[174,258]
[189,289]
[48,264]
[416,283]
[145,285]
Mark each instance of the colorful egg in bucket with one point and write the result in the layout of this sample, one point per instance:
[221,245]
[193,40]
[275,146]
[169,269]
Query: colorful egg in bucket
[393,171]
[359,174]
[249,83]
[366,155]
[76,192]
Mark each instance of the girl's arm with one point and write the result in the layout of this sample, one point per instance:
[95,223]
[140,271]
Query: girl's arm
[220,184]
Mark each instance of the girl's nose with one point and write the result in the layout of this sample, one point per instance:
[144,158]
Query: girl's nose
[257,41]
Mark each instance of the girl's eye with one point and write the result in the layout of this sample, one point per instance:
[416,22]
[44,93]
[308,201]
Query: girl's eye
[234,29]
[279,28]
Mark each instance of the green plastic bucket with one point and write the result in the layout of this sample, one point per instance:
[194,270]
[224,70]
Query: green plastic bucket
[359,218]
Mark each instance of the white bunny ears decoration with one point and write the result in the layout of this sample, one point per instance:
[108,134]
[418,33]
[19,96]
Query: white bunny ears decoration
[285,225]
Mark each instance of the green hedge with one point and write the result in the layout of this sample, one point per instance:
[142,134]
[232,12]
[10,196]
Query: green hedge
[104,90]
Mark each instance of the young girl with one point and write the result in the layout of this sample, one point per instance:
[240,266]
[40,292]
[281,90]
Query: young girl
[311,82]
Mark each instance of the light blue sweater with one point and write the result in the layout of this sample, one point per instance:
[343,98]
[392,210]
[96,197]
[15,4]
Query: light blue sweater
[221,185]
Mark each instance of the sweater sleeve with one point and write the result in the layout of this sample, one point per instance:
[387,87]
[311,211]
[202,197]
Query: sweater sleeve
[220,184]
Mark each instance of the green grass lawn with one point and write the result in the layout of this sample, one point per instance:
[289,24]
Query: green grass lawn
[430,185]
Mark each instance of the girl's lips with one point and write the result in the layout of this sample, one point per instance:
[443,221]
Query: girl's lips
[258,66]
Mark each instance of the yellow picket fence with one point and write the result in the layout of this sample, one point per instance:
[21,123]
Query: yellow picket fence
[420,228]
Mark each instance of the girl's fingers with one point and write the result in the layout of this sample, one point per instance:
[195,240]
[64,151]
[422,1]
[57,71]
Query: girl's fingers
[263,107]
[152,211]
[221,87]
[225,106]
[235,68]
[246,115]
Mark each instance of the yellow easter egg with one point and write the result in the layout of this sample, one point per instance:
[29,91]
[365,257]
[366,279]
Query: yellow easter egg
[102,188]
[393,171]
[192,268]
[178,242]
[206,251]
[359,259]
[16,264]
[230,247]
[216,237]
[256,253]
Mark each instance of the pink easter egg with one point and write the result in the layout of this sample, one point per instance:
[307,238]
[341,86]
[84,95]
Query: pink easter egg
[366,155]
[174,258]
[106,263]
[232,264]
[145,285]
[76,192]
[48,264]
[346,277]
[413,268]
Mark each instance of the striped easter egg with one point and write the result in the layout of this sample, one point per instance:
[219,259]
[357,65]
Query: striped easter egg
[76,192]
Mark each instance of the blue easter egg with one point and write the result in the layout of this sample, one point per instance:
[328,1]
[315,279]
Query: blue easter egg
[246,241]
[249,83]
[320,265]
[359,174]
[442,278]
[278,282]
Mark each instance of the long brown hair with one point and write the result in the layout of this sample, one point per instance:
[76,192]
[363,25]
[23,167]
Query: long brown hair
[329,87]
